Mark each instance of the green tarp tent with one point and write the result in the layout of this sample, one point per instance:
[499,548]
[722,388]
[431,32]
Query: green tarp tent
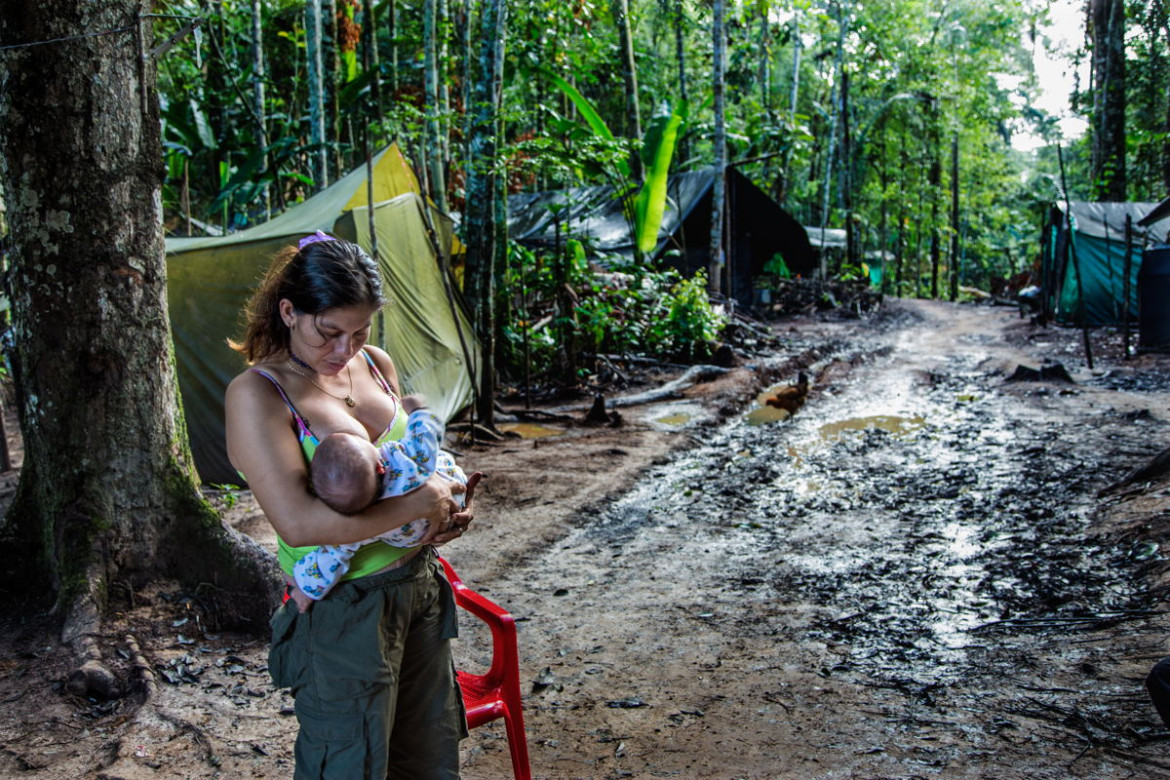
[425,327]
[1098,239]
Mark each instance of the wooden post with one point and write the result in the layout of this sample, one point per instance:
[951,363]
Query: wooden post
[5,455]
[954,217]
[1072,248]
[1128,268]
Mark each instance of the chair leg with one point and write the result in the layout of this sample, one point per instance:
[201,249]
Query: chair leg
[517,745]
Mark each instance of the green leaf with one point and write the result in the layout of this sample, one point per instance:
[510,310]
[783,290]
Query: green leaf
[351,65]
[591,116]
[585,107]
[650,204]
[203,127]
[355,89]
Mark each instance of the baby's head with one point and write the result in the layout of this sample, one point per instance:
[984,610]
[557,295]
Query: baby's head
[345,472]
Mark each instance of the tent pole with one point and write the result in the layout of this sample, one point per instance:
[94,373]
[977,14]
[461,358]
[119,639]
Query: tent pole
[448,287]
[373,225]
[1072,247]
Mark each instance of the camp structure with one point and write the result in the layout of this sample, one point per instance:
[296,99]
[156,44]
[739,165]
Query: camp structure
[757,229]
[1089,267]
[424,327]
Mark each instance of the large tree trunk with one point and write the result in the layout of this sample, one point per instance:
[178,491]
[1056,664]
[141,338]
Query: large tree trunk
[1107,33]
[107,499]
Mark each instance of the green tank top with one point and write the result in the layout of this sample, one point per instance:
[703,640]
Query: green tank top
[371,557]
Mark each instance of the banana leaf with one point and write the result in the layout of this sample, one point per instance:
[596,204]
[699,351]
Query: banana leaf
[590,114]
[650,204]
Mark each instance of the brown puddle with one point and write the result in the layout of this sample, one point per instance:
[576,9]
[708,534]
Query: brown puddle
[766,414]
[527,430]
[903,426]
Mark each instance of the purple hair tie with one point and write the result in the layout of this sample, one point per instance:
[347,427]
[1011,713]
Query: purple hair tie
[318,236]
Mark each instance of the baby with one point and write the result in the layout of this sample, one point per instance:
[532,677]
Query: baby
[349,473]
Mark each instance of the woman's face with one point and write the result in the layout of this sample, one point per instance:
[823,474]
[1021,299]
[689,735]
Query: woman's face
[328,340]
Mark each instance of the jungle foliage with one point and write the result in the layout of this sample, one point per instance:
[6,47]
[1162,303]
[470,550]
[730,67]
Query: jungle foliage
[896,120]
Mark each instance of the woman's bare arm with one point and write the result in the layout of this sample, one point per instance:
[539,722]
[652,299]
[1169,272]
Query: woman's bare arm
[263,446]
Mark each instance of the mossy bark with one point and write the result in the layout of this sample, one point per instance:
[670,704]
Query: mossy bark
[107,491]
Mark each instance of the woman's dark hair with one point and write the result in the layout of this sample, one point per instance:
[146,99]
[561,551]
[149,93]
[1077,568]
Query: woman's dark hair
[319,276]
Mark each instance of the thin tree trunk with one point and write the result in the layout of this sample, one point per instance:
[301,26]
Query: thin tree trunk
[718,189]
[216,85]
[883,218]
[681,57]
[370,60]
[258,94]
[935,191]
[900,247]
[621,19]
[831,143]
[793,102]
[1107,33]
[319,159]
[765,54]
[443,69]
[107,499]
[337,130]
[955,217]
[434,151]
[463,29]
[845,177]
[392,28]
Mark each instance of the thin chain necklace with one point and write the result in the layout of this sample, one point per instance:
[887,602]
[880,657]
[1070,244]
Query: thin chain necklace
[348,397]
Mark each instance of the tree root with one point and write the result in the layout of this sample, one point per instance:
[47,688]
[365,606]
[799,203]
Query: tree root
[147,680]
[152,724]
[80,632]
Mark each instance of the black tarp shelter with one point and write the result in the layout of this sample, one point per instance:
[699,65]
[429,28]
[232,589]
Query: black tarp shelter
[756,230]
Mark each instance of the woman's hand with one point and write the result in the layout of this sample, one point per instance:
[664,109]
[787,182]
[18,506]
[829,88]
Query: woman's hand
[458,521]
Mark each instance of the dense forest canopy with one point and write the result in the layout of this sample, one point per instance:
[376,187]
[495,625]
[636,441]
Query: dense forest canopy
[847,112]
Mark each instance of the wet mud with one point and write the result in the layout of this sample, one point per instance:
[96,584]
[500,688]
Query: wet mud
[925,571]
[911,576]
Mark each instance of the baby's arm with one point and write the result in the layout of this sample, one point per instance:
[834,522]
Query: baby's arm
[412,460]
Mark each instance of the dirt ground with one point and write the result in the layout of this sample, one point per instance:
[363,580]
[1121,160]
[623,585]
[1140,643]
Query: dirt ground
[913,576]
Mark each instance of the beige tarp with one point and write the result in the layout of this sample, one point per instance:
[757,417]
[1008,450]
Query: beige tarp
[424,328]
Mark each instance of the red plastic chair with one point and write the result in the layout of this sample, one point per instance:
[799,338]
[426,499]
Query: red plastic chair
[494,695]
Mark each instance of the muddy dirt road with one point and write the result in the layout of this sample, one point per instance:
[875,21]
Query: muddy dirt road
[911,577]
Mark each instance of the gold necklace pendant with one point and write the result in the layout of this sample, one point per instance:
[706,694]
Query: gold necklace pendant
[348,397]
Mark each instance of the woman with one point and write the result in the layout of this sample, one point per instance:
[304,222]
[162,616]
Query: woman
[370,667]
